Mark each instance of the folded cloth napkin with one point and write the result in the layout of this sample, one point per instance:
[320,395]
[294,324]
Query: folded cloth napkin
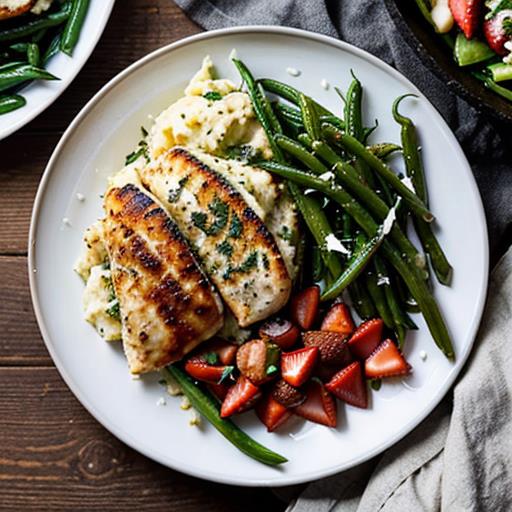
[366,24]
[460,457]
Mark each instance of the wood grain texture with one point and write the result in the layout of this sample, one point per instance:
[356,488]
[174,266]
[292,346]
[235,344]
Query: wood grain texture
[53,455]
[56,457]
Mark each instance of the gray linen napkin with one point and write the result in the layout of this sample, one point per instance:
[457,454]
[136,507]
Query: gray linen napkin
[366,24]
[460,457]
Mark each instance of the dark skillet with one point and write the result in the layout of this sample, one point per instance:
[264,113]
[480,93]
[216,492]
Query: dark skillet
[437,57]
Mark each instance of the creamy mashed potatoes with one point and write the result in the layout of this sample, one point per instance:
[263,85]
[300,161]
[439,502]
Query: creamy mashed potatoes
[212,116]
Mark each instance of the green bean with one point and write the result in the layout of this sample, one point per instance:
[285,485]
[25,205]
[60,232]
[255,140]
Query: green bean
[384,149]
[38,36]
[361,300]
[19,47]
[11,102]
[269,113]
[259,108]
[288,93]
[32,27]
[298,151]
[33,55]
[71,32]
[354,147]
[206,405]
[22,73]
[493,86]
[53,48]
[379,297]
[309,116]
[317,264]
[319,226]
[414,169]
[409,272]
[364,251]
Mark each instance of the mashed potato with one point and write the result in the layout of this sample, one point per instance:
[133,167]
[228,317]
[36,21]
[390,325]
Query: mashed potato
[198,120]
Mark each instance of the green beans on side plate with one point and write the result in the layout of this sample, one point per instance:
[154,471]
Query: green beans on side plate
[76,19]
[204,403]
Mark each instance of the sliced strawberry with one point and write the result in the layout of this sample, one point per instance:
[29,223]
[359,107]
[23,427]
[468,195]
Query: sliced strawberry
[366,338]
[286,394]
[239,397]
[332,346]
[296,366]
[386,361]
[271,413]
[282,332]
[201,370]
[466,14]
[304,307]
[496,33]
[224,351]
[219,390]
[319,406]
[338,319]
[348,385]
[258,360]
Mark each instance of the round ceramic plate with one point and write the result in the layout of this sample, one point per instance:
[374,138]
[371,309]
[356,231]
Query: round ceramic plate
[41,94]
[94,147]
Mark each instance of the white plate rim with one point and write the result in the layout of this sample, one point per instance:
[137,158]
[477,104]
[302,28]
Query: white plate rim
[64,82]
[123,435]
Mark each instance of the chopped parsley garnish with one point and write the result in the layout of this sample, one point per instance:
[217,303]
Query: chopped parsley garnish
[244,153]
[210,358]
[225,248]
[285,233]
[271,369]
[220,211]
[174,193]
[114,310]
[228,370]
[236,227]
[212,96]
[142,149]
[250,262]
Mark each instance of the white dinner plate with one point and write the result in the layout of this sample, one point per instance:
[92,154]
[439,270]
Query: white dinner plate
[94,147]
[41,94]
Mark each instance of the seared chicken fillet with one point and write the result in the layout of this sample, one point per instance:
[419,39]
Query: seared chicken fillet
[236,249]
[167,304]
[17,8]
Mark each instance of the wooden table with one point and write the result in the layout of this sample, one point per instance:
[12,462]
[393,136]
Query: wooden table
[53,454]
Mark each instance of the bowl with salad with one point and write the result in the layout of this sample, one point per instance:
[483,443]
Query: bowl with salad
[467,43]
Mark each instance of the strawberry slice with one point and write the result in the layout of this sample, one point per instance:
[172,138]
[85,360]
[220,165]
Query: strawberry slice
[338,319]
[466,14]
[348,385]
[496,33]
[296,366]
[304,307]
[240,397]
[201,370]
[319,406]
[221,350]
[219,391]
[282,332]
[332,346]
[366,338]
[386,361]
[271,413]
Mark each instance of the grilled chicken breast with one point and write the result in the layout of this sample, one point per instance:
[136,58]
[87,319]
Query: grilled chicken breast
[13,8]
[236,249]
[167,304]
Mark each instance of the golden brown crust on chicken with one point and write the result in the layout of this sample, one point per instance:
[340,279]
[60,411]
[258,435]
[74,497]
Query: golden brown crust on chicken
[236,249]
[6,12]
[167,304]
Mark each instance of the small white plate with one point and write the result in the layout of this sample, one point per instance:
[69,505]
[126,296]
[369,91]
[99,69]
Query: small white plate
[41,94]
[94,147]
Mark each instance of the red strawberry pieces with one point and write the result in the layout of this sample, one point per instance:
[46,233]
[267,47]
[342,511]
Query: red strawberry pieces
[496,33]
[296,366]
[203,371]
[282,332]
[366,338]
[304,307]
[219,390]
[386,361]
[338,319]
[466,14]
[348,385]
[240,397]
[319,407]
[271,413]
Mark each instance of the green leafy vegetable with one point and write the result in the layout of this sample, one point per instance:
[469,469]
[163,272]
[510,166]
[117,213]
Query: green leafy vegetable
[212,96]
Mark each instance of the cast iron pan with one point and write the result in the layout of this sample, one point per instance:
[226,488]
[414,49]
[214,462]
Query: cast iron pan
[434,53]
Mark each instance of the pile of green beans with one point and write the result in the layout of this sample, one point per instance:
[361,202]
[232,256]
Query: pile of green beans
[29,41]
[343,187]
